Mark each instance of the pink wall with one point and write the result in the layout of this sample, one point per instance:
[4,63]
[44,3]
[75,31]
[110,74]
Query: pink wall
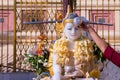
[8,17]
[107,15]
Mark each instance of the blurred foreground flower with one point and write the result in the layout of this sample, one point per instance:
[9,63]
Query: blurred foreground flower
[37,57]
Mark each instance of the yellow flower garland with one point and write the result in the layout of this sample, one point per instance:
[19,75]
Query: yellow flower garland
[83,50]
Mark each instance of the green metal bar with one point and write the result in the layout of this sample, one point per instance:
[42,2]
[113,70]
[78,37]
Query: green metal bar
[54,21]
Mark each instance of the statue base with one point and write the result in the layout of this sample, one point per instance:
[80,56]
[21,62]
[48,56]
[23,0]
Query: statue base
[86,79]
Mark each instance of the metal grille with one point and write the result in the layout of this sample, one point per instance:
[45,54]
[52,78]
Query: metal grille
[6,35]
[16,37]
[27,34]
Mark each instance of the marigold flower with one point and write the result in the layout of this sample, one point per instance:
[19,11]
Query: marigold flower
[82,53]
[59,16]
[42,37]
[95,73]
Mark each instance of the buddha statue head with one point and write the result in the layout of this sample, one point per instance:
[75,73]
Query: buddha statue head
[71,26]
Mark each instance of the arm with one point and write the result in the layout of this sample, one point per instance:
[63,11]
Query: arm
[98,40]
[108,51]
[112,55]
[57,69]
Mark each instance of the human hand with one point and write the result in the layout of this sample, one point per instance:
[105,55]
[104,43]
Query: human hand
[85,27]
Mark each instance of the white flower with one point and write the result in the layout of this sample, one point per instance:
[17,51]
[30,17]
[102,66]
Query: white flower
[23,65]
[39,61]
[32,64]
[30,55]
[34,78]
[25,59]
[45,64]
[45,59]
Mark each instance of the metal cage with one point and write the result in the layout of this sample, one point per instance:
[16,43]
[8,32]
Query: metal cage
[16,38]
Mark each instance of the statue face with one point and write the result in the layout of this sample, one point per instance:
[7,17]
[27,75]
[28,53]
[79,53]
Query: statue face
[72,30]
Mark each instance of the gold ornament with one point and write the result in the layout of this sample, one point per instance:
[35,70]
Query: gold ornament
[59,26]
[59,29]
[69,10]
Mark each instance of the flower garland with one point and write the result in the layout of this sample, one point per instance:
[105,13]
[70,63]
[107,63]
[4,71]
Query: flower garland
[61,48]
[83,49]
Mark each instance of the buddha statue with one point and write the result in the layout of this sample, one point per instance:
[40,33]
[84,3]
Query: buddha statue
[72,55]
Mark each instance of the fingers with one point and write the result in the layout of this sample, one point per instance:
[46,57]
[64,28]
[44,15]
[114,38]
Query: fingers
[83,24]
[89,25]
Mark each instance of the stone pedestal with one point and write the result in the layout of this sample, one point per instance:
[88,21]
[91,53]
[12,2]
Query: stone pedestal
[110,72]
[16,76]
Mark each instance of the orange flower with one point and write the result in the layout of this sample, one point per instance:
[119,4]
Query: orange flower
[59,16]
[42,37]
[39,52]
[39,48]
